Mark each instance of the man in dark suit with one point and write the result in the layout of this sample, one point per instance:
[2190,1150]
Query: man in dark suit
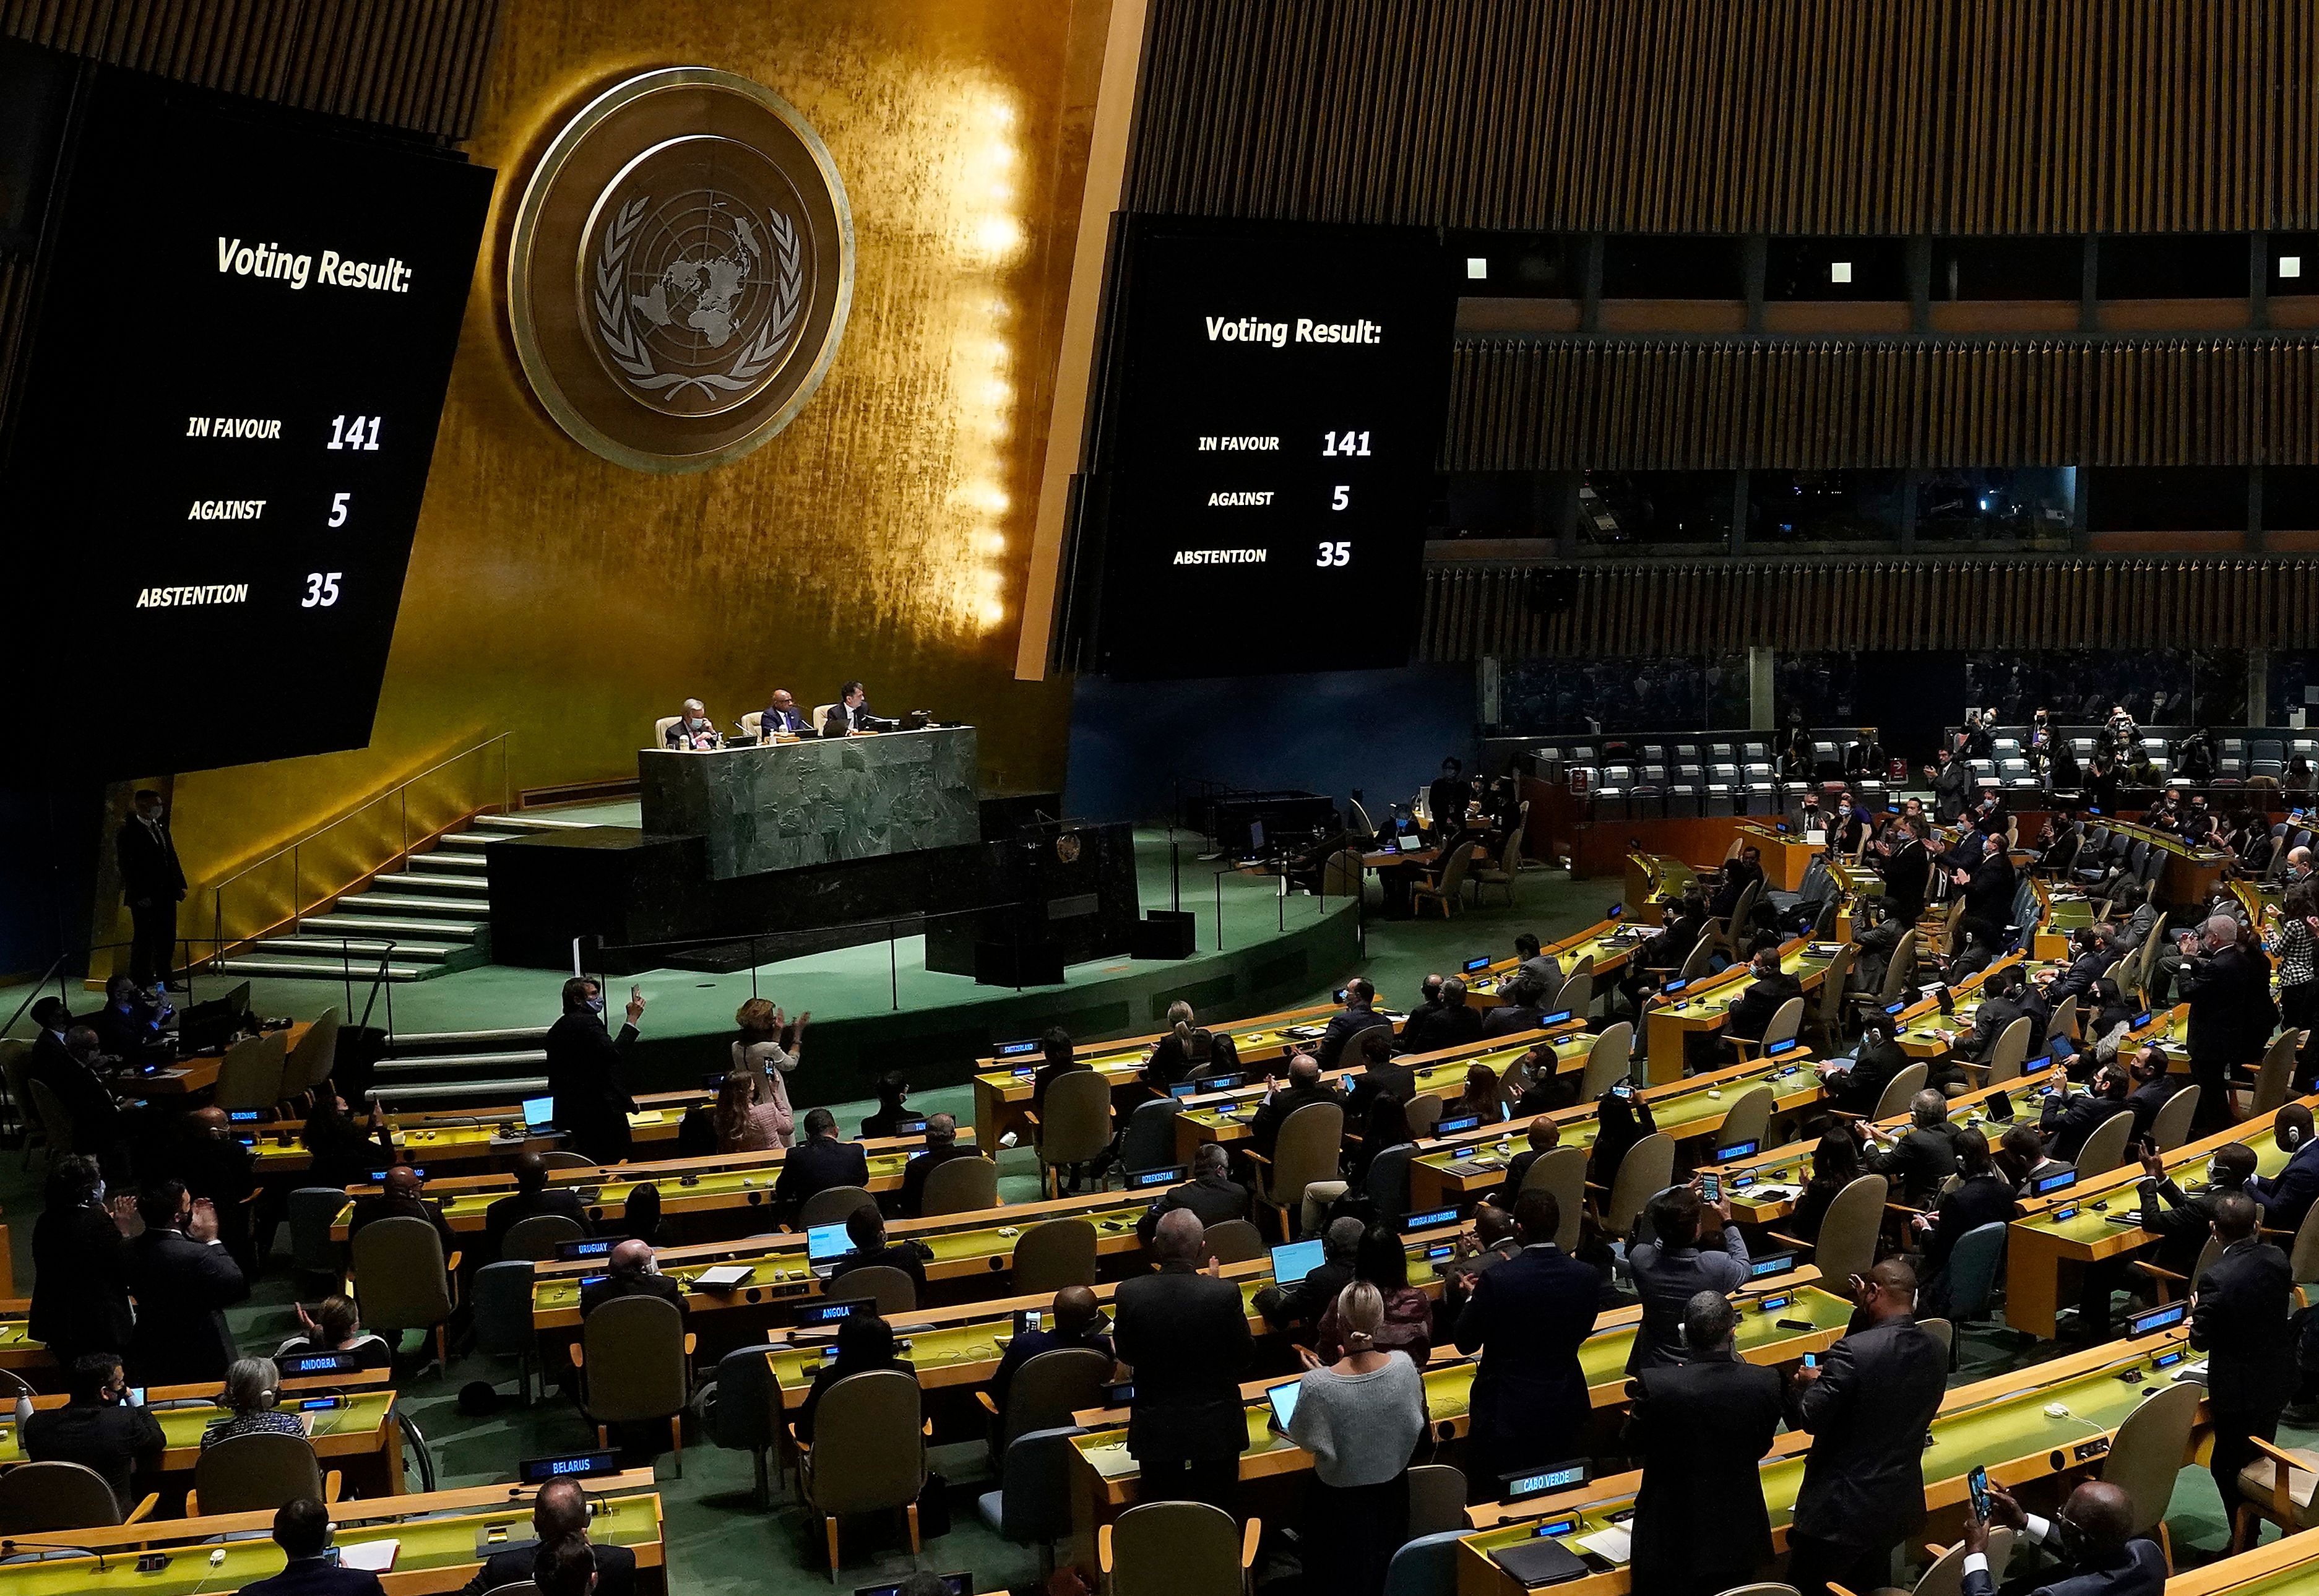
[1211,1194]
[74,1072]
[2069,1118]
[1358,1015]
[851,713]
[2239,1318]
[2228,989]
[1185,1334]
[1858,1087]
[533,1197]
[301,1528]
[1539,965]
[630,1272]
[1445,801]
[559,1513]
[210,1159]
[585,1072]
[154,883]
[818,1163]
[1303,1302]
[1527,1317]
[1444,1019]
[1545,1135]
[865,1227]
[129,1025]
[97,1428]
[402,1195]
[1771,988]
[2001,1004]
[2153,1082]
[692,729]
[1867,1407]
[781,715]
[1520,1006]
[2180,1221]
[2087,959]
[1701,1427]
[1493,1241]
[1381,1076]
[2099,1553]
[2287,1196]
[1898,857]
[1922,1157]
[183,1280]
[942,1147]
[1076,1321]
[1304,1087]
[1988,887]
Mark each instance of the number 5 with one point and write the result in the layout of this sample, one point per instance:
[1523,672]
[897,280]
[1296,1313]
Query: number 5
[339,509]
[1341,498]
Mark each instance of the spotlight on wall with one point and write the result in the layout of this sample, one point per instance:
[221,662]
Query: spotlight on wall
[1478,266]
[1840,271]
[2290,266]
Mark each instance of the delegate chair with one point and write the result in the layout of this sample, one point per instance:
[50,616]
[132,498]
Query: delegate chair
[2170,1127]
[1177,1548]
[890,1288]
[1054,1253]
[1449,890]
[2105,1149]
[1426,1565]
[251,1075]
[962,1185]
[634,1357]
[1846,1245]
[2274,1076]
[1563,1172]
[313,1210]
[1149,1143]
[1437,1498]
[2146,1454]
[1043,1396]
[1234,1241]
[1033,1503]
[1607,1061]
[536,1239]
[868,1454]
[500,1299]
[309,1063]
[1647,1170]
[1745,1120]
[55,1120]
[1903,1086]
[1305,1151]
[258,1473]
[1501,873]
[404,1280]
[833,1207]
[44,1498]
[1786,1022]
[1074,1125]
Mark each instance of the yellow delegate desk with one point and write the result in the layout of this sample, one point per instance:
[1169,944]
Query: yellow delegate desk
[1651,876]
[435,1535]
[2001,1424]
[1609,943]
[1230,1115]
[962,1345]
[196,1072]
[1454,1168]
[2191,874]
[1003,1086]
[359,1438]
[2095,1219]
[441,1137]
[1764,1188]
[1689,1008]
[965,1246]
[719,1182]
[1106,1474]
[1916,1028]
[1785,856]
[2288,1566]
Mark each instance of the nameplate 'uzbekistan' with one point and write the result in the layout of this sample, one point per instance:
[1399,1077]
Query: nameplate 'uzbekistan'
[681,269]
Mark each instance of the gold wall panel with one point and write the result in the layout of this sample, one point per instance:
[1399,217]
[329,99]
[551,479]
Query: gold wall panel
[882,535]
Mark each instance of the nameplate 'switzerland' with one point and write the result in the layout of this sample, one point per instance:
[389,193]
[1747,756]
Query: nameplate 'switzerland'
[681,269]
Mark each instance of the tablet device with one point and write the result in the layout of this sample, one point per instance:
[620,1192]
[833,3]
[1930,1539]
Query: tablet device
[1292,1262]
[1283,1400]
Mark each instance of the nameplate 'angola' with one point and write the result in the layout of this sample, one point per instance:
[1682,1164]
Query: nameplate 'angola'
[681,269]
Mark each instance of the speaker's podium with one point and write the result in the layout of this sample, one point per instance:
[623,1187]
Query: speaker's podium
[1067,895]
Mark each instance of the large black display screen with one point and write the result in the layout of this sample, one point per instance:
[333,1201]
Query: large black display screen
[1272,407]
[221,430]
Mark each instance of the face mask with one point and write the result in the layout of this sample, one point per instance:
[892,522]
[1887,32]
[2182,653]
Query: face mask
[595,1005]
[2213,1174]
[99,1198]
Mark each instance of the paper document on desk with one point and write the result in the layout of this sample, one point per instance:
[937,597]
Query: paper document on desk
[377,1555]
[1614,1545]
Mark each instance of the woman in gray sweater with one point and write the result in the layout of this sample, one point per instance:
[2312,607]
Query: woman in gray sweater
[1360,1417]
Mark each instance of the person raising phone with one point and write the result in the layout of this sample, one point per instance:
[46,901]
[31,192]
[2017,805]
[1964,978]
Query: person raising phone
[2095,1549]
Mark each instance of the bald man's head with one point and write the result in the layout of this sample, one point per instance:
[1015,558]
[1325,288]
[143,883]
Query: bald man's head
[631,1257]
[2100,1516]
[1544,1134]
[560,1509]
[1305,1071]
[2221,931]
[530,1172]
[1075,1308]
[2291,1127]
[1180,1237]
[402,1181]
[212,1122]
[1891,1289]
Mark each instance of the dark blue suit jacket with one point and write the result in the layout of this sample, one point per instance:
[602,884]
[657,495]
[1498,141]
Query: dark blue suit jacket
[318,1577]
[2142,1572]
[2287,1196]
[1527,1317]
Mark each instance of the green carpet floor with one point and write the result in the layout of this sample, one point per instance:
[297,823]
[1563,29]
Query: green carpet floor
[719,1541]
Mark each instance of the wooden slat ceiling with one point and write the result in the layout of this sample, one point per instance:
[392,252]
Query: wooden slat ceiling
[1781,116]
[1516,611]
[416,64]
[1821,403]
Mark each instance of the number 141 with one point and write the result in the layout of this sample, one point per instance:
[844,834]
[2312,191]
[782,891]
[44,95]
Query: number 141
[1333,443]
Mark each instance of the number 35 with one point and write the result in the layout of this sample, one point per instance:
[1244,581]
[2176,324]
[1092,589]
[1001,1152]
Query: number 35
[1335,553]
[321,590]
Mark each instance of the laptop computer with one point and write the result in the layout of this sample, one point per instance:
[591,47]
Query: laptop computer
[539,1114]
[825,1245]
[1292,1262]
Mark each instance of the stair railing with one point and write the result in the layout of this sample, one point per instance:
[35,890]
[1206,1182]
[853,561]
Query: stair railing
[312,871]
